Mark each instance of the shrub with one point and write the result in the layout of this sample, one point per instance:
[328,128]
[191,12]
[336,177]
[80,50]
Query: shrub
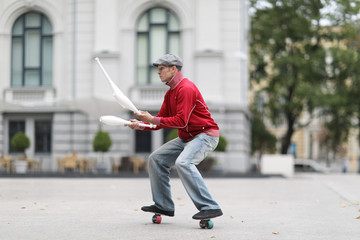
[221,147]
[20,142]
[172,135]
[102,142]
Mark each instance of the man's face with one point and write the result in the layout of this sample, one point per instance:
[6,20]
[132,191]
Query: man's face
[166,73]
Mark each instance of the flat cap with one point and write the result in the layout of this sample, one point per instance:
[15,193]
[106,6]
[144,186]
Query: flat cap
[169,60]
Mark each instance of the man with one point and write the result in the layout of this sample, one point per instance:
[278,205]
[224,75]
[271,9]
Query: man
[183,109]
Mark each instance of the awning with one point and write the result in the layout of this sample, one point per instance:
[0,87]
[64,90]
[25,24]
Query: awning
[95,107]
[6,106]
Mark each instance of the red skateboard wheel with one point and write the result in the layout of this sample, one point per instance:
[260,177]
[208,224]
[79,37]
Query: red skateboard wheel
[156,219]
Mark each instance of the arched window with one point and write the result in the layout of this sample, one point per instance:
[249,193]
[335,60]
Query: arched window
[158,33]
[31,51]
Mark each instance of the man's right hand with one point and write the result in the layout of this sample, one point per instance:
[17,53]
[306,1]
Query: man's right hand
[134,124]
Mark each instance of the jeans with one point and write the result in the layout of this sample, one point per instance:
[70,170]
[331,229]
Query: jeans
[185,156]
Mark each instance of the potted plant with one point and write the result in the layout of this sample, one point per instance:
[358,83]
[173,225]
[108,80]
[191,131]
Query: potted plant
[101,143]
[20,142]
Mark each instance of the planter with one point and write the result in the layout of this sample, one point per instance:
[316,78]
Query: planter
[20,166]
[101,168]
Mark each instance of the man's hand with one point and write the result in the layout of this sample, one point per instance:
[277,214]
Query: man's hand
[145,117]
[134,124]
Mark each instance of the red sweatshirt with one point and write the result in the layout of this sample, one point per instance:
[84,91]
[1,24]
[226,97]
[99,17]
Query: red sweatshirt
[184,109]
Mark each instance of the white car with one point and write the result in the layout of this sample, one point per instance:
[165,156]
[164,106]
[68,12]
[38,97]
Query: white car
[308,165]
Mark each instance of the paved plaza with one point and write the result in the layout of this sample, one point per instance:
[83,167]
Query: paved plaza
[308,206]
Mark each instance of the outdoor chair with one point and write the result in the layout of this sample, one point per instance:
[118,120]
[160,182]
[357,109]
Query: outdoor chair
[70,163]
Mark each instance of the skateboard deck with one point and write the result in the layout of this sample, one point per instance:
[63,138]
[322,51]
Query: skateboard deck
[204,223]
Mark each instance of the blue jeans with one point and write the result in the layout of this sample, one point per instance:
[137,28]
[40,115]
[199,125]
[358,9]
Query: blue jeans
[185,156]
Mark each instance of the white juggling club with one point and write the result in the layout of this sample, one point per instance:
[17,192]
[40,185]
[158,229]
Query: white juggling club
[120,97]
[115,121]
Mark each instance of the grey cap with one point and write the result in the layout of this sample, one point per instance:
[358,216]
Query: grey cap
[169,60]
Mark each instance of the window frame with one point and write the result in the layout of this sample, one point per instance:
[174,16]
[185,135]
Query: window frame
[43,134]
[42,37]
[148,32]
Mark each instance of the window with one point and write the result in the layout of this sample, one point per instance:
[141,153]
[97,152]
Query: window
[143,141]
[158,33]
[31,52]
[42,136]
[14,127]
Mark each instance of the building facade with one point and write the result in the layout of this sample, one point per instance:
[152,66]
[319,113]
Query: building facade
[54,91]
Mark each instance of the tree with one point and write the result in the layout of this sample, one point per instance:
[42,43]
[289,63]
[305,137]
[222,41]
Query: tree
[288,51]
[102,142]
[340,101]
[261,139]
[332,138]
[337,106]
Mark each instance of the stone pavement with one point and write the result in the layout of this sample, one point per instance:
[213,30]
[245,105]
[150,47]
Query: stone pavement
[308,206]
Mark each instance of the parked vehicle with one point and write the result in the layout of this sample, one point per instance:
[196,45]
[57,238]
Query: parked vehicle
[308,165]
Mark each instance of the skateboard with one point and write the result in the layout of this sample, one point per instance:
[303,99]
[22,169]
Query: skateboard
[204,223]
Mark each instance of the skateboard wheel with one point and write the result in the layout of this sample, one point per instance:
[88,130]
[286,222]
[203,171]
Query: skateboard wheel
[206,224]
[210,224]
[202,224]
[156,219]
